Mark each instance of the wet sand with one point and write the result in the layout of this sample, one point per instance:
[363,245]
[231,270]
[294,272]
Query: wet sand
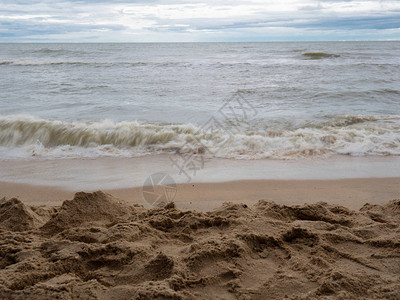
[351,193]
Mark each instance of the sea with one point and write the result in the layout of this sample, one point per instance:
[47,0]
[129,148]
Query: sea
[252,101]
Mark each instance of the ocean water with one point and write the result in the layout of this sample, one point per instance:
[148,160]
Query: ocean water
[230,100]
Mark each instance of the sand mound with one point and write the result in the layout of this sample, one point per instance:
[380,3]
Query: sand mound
[15,216]
[101,248]
[383,214]
[87,207]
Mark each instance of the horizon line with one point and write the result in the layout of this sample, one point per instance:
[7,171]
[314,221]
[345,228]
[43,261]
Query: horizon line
[196,42]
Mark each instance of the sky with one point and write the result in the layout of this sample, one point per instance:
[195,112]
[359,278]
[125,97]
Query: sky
[200,21]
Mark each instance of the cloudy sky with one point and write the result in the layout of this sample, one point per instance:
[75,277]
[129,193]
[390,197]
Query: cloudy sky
[187,21]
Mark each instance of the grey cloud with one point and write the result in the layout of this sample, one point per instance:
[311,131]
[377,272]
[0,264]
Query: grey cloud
[32,18]
[29,28]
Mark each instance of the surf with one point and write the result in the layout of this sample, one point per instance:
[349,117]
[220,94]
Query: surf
[346,135]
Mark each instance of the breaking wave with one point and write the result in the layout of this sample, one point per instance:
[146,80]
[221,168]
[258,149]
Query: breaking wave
[26,136]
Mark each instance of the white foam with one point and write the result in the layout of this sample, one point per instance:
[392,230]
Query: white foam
[27,136]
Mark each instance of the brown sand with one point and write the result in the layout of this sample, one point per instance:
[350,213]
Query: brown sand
[99,247]
[351,193]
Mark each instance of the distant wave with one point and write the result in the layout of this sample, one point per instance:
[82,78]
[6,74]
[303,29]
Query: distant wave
[21,62]
[319,55]
[48,50]
[349,135]
[38,62]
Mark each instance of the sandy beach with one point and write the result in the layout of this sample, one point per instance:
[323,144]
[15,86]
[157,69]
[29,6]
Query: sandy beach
[234,240]
[212,170]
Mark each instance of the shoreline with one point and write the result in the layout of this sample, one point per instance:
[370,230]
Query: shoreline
[350,193]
